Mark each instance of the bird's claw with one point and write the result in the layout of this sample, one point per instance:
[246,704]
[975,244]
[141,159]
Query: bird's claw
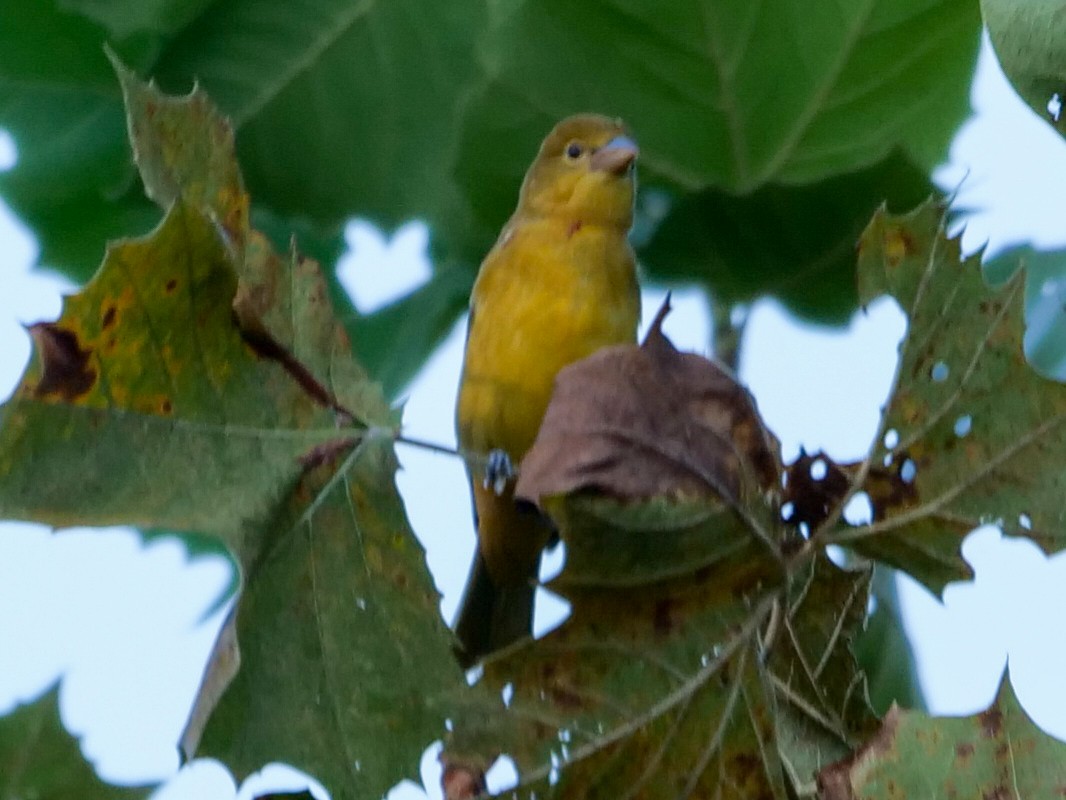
[498,470]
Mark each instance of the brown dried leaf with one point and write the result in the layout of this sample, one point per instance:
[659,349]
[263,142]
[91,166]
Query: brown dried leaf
[813,499]
[639,422]
[66,368]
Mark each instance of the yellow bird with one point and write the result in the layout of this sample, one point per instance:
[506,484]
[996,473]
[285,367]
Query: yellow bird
[559,284]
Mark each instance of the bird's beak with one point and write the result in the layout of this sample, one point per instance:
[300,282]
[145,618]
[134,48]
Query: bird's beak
[615,156]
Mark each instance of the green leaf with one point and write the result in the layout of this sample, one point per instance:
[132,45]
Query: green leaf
[997,753]
[337,660]
[1028,40]
[184,149]
[726,101]
[637,544]
[40,759]
[739,96]
[346,668]
[345,663]
[272,69]
[668,698]
[299,84]
[146,392]
[763,122]
[971,434]
[794,242]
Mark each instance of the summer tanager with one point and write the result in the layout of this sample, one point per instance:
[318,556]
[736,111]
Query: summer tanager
[559,284]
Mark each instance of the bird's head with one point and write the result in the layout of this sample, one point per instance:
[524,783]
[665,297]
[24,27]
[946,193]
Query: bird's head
[584,170]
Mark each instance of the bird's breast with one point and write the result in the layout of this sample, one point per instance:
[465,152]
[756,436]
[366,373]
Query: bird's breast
[550,293]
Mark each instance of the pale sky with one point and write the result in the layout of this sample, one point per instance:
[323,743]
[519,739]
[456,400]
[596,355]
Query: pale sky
[123,623]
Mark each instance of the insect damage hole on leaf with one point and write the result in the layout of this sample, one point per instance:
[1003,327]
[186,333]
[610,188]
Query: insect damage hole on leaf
[908,470]
[859,510]
[963,425]
[788,510]
[1054,107]
[819,469]
[891,439]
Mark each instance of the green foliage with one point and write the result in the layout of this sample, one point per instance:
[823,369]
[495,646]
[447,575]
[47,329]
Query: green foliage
[39,759]
[997,753]
[794,242]
[203,382]
[415,109]
[824,711]
[971,433]
[346,667]
[164,429]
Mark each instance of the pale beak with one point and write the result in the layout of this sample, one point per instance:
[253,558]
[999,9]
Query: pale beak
[615,156]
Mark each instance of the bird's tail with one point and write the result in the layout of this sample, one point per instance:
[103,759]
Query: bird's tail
[491,616]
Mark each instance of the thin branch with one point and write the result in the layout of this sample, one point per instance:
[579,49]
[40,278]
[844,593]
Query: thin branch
[474,461]
[727,331]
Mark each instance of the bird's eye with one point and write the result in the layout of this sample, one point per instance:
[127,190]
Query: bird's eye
[574,151]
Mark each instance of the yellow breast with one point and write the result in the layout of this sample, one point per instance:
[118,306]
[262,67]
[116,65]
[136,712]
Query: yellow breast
[550,293]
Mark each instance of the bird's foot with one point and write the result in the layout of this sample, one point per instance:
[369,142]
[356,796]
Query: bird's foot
[498,470]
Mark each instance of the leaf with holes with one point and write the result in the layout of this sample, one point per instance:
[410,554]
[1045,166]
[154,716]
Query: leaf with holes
[971,434]
[40,759]
[997,753]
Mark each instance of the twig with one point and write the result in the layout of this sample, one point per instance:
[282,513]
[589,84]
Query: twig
[727,332]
